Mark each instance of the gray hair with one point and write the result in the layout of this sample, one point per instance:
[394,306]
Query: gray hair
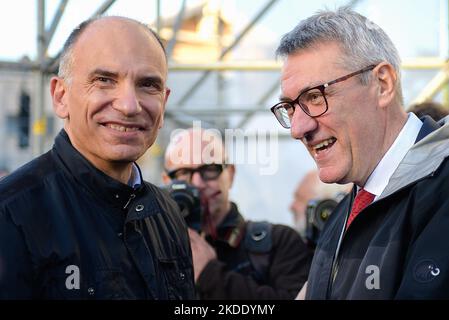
[363,42]
[66,59]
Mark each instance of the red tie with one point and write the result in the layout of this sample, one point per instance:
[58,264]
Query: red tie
[362,199]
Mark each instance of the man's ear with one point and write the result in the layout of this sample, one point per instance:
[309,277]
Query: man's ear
[387,79]
[231,172]
[58,95]
[167,93]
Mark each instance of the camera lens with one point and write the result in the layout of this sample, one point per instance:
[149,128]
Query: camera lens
[188,199]
[323,211]
[184,200]
[318,212]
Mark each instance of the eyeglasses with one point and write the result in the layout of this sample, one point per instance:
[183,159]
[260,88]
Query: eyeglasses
[207,172]
[312,101]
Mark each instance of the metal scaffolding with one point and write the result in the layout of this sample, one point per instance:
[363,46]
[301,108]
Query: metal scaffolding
[43,66]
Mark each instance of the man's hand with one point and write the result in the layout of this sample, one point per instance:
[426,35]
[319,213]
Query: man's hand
[202,252]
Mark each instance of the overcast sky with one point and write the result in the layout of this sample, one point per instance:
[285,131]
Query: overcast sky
[412,24]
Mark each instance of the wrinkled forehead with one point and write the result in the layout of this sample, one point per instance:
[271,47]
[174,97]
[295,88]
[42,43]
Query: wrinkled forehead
[192,148]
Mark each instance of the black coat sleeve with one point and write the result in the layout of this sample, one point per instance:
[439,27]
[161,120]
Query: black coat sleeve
[16,271]
[289,266]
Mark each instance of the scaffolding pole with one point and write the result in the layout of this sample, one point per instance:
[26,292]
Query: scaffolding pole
[434,86]
[51,66]
[158,16]
[38,114]
[176,27]
[55,22]
[260,104]
[103,8]
[243,33]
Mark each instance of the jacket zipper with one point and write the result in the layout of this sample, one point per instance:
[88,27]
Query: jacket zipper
[335,262]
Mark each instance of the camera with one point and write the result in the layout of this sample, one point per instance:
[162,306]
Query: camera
[317,213]
[188,199]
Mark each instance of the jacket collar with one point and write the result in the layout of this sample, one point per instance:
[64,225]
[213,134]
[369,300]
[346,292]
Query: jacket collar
[231,230]
[424,158]
[428,126]
[97,182]
[232,219]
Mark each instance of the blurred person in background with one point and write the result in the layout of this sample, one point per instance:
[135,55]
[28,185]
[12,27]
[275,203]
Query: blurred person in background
[79,222]
[342,97]
[232,258]
[310,190]
[429,108]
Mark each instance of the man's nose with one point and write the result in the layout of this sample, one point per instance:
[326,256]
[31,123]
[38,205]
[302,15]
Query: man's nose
[197,181]
[301,124]
[127,101]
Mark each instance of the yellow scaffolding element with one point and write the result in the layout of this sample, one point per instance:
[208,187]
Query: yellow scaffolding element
[272,65]
[438,83]
[40,127]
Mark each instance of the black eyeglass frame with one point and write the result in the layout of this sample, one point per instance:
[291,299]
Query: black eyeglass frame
[320,87]
[220,166]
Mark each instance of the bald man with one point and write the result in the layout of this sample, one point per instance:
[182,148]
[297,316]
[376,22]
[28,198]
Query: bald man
[232,258]
[79,222]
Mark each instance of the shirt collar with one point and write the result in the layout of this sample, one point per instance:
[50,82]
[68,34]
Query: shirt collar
[378,180]
[135,180]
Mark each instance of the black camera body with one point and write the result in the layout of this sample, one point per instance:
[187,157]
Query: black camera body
[188,199]
[317,213]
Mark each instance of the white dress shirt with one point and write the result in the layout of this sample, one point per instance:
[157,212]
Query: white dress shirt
[378,180]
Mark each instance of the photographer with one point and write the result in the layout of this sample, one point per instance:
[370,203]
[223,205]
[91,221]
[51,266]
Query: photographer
[233,258]
[314,197]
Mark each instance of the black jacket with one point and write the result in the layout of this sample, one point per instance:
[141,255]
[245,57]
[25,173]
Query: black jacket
[397,247]
[68,231]
[233,276]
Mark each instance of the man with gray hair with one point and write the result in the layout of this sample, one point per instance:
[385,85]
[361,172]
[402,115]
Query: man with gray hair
[79,222]
[341,96]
